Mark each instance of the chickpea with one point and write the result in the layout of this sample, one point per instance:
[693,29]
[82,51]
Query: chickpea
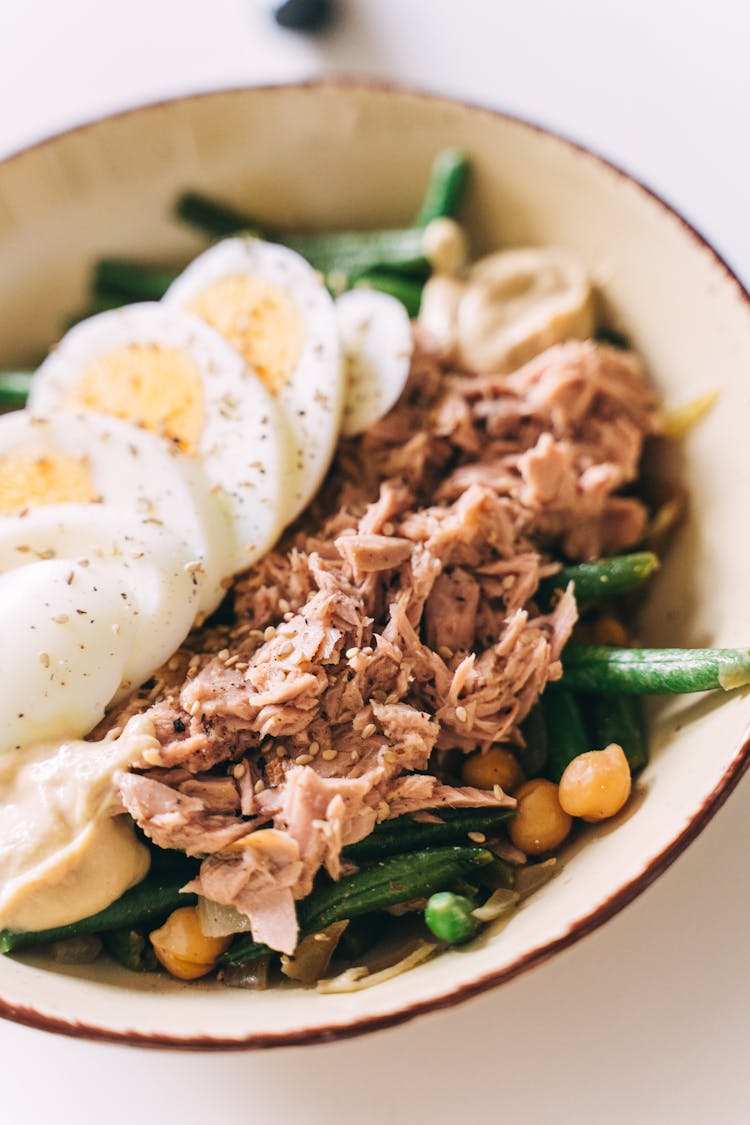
[182,947]
[495,766]
[445,246]
[596,784]
[540,824]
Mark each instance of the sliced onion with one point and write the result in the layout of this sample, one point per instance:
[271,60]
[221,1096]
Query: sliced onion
[531,878]
[354,980]
[219,921]
[253,975]
[500,902]
[313,955]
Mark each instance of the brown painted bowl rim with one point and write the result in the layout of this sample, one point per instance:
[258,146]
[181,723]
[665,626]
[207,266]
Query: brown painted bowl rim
[625,894]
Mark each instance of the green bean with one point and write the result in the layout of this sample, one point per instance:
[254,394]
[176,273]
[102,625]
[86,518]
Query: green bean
[14,389]
[603,578]
[533,755]
[496,875]
[566,731]
[120,278]
[445,188]
[449,917]
[398,879]
[404,289]
[143,905]
[353,253]
[619,718]
[612,337]
[211,217]
[654,671]
[132,949]
[403,833]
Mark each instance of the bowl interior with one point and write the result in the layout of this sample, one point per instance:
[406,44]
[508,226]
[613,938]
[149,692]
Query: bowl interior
[337,156]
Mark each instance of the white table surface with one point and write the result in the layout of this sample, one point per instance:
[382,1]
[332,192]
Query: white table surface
[648,1019]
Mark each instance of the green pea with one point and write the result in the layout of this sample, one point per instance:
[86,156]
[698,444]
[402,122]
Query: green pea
[449,917]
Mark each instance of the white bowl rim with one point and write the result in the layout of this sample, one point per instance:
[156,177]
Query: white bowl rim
[31,1017]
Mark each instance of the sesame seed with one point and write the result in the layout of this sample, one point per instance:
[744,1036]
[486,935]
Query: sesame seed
[497,791]
[445,652]
[313,748]
[390,757]
[320,937]
[285,649]
[303,759]
[193,567]
[280,752]
[192,673]
[477,837]
[232,660]
[329,755]
[61,619]
[461,714]
[269,633]
[288,615]
[354,755]
[44,659]
[388,528]
[195,707]
[174,664]
[284,606]
[194,660]
[392,697]
[351,653]
[223,654]
[259,785]
[238,770]
[136,554]
[369,730]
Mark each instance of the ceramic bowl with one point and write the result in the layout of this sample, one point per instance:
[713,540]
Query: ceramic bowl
[340,155]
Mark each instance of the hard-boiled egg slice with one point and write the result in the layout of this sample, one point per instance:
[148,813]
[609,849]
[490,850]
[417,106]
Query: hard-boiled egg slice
[69,630]
[166,371]
[83,457]
[273,308]
[375,334]
[155,569]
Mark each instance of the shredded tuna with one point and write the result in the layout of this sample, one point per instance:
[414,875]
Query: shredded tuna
[396,625]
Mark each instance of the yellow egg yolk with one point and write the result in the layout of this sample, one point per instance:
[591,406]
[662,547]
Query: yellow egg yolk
[260,320]
[29,478]
[155,387]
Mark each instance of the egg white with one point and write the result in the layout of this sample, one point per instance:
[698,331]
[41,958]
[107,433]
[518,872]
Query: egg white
[243,447]
[312,397]
[375,333]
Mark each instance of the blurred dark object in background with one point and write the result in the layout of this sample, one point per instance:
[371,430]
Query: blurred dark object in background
[304,15]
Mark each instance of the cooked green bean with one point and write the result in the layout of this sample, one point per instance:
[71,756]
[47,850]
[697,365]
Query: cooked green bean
[404,289]
[612,337]
[132,949]
[403,833]
[398,879]
[654,671]
[533,755]
[566,731]
[143,905]
[445,188]
[449,917]
[353,253]
[618,718]
[211,217]
[120,278]
[603,578]
[14,389]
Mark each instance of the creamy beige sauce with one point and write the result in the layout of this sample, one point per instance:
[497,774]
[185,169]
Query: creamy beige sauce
[508,308]
[66,848]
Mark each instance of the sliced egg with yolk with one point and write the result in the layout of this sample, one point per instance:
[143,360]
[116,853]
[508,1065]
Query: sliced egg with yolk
[79,457]
[166,371]
[272,307]
[375,333]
